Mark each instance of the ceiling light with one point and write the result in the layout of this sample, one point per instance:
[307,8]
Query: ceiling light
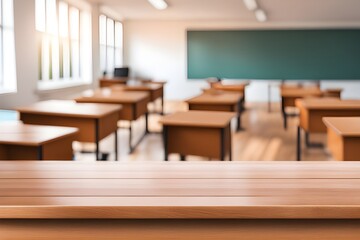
[251,4]
[260,15]
[159,4]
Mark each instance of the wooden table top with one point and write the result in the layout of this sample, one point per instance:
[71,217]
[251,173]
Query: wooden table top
[115,79]
[241,190]
[327,104]
[107,95]
[212,119]
[235,87]
[137,87]
[17,133]
[70,109]
[344,126]
[216,98]
[300,92]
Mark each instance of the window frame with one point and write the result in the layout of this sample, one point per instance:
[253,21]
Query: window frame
[8,84]
[66,57]
[115,48]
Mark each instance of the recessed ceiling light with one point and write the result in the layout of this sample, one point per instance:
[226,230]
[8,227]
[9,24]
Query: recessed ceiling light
[159,4]
[260,15]
[251,4]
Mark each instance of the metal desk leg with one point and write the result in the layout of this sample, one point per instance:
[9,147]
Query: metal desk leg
[239,111]
[284,113]
[40,153]
[130,138]
[162,105]
[97,139]
[165,141]
[230,145]
[182,158]
[222,144]
[116,146]
[147,123]
[298,144]
[269,98]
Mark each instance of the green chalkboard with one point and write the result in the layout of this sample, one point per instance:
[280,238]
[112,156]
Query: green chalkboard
[274,54]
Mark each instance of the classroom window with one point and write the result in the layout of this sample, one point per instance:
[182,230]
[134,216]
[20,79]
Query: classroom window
[7,47]
[64,44]
[111,44]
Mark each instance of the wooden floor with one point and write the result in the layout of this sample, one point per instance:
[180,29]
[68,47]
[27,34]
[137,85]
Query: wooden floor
[263,139]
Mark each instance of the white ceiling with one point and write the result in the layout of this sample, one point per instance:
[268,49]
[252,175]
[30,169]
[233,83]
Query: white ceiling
[277,10]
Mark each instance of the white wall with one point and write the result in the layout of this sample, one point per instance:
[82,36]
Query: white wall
[27,64]
[157,49]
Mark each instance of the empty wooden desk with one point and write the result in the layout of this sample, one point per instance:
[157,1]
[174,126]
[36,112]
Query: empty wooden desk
[198,200]
[290,94]
[94,121]
[218,101]
[110,81]
[134,106]
[155,90]
[312,111]
[199,133]
[20,141]
[238,88]
[343,137]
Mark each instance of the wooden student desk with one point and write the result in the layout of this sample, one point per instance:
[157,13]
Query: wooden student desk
[290,94]
[238,88]
[134,106]
[94,121]
[20,141]
[155,90]
[312,111]
[181,201]
[110,81]
[343,137]
[218,101]
[199,133]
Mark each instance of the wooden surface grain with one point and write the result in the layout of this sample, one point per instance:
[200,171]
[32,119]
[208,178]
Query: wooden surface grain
[17,133]
[106,95]
[199,190]
[216,98]
[69,109]
[198,119]
[344,126]
[327,103]
[300,92]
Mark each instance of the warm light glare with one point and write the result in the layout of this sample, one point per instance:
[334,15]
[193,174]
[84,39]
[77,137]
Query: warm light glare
[251,4]
[159,4]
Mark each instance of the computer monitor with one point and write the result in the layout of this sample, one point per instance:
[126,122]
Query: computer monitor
[121,72]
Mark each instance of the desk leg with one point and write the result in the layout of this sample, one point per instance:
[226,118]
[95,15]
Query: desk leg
[239,111]
[130,138]
[230,144]
[165,141]
[147,123]
[269,98]
[284,113]
[116,146]
[97,151]
[298,144]
[40,153]
[182,158]
[222,144]
[162,105]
